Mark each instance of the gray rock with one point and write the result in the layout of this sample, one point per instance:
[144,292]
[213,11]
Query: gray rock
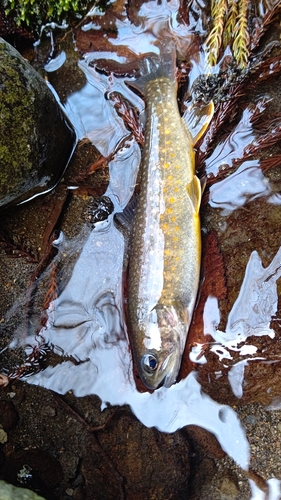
[10,492]
[36,138]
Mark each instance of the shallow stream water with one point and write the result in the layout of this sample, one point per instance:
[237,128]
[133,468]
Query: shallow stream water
[86,320]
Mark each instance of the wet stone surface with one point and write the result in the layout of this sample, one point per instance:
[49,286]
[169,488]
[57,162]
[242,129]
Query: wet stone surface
[31,160]
[96,455]
[10,492]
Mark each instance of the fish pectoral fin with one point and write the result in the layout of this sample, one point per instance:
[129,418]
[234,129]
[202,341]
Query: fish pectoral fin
[203,182]
[197,120]
[194,193]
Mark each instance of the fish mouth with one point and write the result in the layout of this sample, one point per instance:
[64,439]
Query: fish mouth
[169,380]
[165,382]
[171,377]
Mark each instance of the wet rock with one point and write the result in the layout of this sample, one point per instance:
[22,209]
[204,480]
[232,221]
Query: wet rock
[206,441]
[99,209]
[49,411]
[10,492]
[146,458]
[104,40]
[36,138]
[202,475]
[35,469]
[229,489]
[8,415]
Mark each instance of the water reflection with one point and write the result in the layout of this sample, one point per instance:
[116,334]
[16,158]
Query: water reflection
[244,185]
[254,308]
[87,319]
[93,116]
[233,147]
[250,315]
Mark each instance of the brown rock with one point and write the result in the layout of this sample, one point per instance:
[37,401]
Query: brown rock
[154,465]
[8,415]
[206,441]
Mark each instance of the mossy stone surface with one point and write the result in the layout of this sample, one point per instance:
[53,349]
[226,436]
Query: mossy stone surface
[10,492]
[36,138]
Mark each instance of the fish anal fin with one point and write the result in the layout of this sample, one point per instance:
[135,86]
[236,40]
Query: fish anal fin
[194,193]
[197,120]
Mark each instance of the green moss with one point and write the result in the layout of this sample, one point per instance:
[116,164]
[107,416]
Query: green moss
[35,138]
[15,108]
[35,14]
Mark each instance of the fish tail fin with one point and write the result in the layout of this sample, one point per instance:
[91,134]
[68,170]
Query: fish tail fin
[157,65]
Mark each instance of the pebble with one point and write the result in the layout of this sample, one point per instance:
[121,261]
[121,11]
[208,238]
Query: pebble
[3,436]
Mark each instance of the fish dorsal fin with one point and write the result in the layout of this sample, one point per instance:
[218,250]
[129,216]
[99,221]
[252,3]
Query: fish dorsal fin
[194,193]
[197,120]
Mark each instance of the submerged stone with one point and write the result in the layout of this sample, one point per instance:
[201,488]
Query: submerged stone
[36,137]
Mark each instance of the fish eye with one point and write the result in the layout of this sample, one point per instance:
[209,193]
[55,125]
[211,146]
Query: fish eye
[149,363]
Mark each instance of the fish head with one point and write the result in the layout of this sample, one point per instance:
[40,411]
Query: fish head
[165,331]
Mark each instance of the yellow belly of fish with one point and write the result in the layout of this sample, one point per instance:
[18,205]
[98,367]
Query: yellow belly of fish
[179,222]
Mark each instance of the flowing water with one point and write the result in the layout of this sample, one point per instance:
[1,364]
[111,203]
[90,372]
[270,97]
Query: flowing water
[87,318]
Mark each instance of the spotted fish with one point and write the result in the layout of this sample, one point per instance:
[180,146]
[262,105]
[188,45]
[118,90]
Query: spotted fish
[165,253]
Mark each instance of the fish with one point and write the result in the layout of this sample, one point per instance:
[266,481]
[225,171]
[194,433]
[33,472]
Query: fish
[165,249]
